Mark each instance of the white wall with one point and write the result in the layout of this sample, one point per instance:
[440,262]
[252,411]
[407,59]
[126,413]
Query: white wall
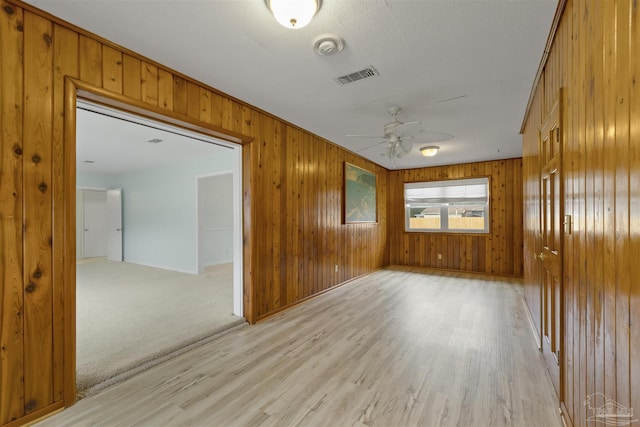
[96,181]
[215,213]
[159,210]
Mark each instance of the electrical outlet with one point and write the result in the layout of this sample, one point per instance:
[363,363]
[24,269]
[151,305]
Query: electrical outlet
[439,256]
[336,268]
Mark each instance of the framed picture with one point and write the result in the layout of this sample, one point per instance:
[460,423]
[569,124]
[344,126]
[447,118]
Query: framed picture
[360,203]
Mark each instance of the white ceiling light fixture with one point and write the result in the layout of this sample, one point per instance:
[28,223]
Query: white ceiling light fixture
[430,150]
[293,14]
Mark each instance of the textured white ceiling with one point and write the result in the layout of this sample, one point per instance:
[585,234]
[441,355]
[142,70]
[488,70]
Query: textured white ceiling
[426,52]
[111,143]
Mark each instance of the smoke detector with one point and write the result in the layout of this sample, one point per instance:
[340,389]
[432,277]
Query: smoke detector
[328,44]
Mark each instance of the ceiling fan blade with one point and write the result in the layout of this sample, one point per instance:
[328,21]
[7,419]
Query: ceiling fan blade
[371,146]
[405,145]
[428,136]
[365,136]
[390,151]
[407,129]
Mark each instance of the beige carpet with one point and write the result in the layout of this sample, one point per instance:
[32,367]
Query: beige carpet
[132,317]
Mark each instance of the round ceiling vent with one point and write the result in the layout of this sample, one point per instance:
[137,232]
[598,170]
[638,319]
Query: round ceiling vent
[328,44]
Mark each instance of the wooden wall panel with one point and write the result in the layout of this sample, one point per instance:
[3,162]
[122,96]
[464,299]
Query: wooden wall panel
[622,248]
[65,63]
[131,69]
[112,69]
[592,60]
[165,90]
[11,219]
[180,95]
[499,252]
[37,236]
[193,100]
[633,199]
[292,196]
[90,58]
[571,336]
[148,82]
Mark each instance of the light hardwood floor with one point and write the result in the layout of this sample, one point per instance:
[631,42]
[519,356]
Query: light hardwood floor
[394,348]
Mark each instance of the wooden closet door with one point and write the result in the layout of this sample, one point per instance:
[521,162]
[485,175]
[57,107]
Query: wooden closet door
[551,215]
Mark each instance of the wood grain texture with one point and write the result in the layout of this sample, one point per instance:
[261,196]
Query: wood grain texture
[90,59]
[65,61]
[131,74]
[111,69]
[633,200]
[165,90]
[11,215]
[37,235]
[592,59]
[67,263]
[624,258]
[51,61]
[450,350]
[499,252]
[149,83]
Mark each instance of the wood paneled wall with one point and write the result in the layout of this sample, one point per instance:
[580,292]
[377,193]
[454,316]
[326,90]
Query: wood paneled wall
[297,207]
[499,252]
[593,57]
[292,184]
[532,228]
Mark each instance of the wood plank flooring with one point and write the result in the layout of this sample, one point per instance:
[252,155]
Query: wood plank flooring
[394,348]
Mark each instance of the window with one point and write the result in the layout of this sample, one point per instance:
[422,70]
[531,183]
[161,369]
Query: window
[458,206]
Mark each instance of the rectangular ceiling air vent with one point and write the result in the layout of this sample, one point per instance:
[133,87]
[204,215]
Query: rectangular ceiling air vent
[358,75]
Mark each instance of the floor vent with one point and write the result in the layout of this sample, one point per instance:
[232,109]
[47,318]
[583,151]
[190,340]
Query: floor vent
[358,75]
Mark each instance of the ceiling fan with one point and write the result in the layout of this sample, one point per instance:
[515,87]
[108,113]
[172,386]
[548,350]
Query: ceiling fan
[399,136]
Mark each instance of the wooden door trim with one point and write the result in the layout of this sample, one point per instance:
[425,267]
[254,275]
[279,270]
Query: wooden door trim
[77,89]
[98,95]
[35,416]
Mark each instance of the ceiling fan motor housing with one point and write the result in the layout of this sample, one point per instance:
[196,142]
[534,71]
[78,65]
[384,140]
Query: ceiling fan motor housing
[389,127]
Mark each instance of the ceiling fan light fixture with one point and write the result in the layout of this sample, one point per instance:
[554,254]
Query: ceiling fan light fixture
[429,151]
[294,14]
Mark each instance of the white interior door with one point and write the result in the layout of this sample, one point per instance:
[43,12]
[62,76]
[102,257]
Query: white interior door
[114,224]
[95,223]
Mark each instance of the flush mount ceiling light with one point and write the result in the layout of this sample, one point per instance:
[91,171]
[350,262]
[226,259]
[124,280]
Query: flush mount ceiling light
[429,151]
[293,14]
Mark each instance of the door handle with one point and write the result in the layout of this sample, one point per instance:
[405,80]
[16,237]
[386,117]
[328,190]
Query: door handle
[542,256]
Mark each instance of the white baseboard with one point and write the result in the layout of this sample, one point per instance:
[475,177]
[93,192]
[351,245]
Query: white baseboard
[162,267]
[218,262]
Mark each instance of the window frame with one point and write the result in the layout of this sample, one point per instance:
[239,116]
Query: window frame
[444,208]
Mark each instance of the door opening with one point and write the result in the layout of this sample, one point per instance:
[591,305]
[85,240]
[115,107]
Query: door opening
[550,256]
[136,177]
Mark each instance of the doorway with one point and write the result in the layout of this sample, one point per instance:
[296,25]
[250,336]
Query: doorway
[550,256]
[99,223]
[145,171]
[93,224]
